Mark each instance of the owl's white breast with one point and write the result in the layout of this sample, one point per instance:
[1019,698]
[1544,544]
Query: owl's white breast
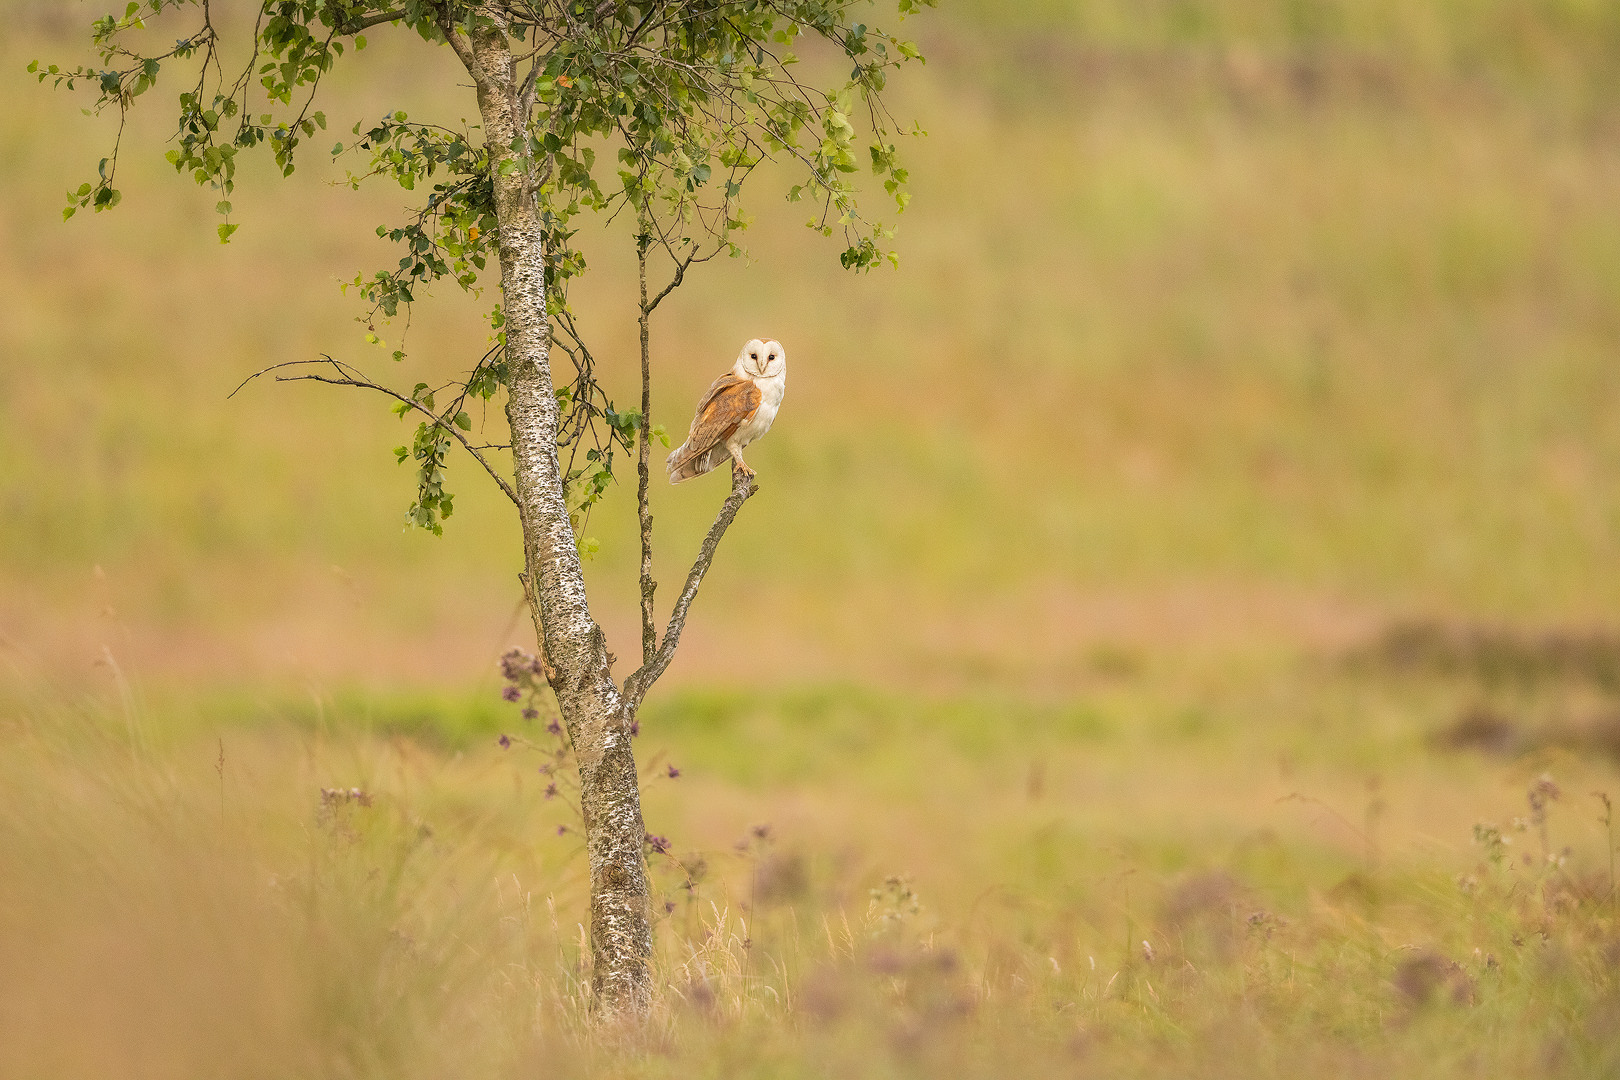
[771,392]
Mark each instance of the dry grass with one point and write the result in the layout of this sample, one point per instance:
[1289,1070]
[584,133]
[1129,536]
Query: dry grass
[1229,334]
[307,899]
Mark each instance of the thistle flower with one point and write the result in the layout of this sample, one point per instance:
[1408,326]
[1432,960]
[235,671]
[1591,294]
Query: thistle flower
[531,713]
[673,772]
[505,742]
[510,693]
[517,664]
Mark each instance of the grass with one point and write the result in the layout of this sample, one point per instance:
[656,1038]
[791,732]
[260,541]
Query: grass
[857,884]
[1211,524]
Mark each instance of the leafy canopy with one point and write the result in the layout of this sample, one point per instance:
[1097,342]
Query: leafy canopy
[659,108]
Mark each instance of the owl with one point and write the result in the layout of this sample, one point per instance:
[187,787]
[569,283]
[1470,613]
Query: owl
[737,409]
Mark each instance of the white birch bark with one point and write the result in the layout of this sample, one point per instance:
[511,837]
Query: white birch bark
[575,648]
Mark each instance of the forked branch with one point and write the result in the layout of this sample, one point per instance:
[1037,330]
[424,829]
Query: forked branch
[637,685]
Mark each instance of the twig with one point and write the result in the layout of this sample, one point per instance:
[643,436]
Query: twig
[681,266]
[355,24]
[347,379]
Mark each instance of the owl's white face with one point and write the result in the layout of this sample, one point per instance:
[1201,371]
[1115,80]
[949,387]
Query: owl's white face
[762,359]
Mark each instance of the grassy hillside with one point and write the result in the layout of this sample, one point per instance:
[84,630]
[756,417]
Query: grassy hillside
[1170,577]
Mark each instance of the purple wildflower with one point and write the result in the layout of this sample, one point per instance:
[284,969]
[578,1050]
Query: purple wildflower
[635,728]
[660,844]
[673,772]
[505,742]
[510,693]
[551,791]
[562,830]
[554,728]
[515,664]
[530,713]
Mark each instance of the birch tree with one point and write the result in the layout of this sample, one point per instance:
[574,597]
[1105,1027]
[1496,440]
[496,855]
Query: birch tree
[660,109]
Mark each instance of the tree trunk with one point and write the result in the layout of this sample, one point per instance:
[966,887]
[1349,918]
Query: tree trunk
[596,715]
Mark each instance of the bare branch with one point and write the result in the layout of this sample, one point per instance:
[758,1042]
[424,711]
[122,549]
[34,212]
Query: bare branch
[649,631]
[346,377]
[637,685]
[681,266]
[526,92]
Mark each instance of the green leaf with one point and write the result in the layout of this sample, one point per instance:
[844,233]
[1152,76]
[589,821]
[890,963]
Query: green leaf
[463,421]
[225,232]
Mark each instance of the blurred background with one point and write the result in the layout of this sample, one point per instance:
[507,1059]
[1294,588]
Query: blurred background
[1216,323]
[1242,422]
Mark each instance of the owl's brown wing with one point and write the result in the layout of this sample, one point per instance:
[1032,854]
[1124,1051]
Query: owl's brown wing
[727,405]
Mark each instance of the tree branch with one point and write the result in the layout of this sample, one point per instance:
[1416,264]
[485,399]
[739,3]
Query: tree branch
[526,92]
[675,282]
[637,685]
[346,379]
[649,630]
[456,39]
[355,25]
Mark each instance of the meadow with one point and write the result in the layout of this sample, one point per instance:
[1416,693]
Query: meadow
[1176,634]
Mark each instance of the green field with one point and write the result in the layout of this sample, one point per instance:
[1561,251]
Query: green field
[1160,588]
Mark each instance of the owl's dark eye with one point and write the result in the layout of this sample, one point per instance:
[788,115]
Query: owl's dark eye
[753,356]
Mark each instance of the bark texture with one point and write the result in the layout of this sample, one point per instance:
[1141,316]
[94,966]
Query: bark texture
[576,649]
[597,714]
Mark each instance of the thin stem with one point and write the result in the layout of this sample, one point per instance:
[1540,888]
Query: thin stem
[347,378]
[649,631]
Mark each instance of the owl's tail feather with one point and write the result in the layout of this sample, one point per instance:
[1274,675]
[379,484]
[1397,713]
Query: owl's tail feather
[684,464]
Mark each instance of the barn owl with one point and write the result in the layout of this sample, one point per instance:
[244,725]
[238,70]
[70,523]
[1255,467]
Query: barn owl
[738,409]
